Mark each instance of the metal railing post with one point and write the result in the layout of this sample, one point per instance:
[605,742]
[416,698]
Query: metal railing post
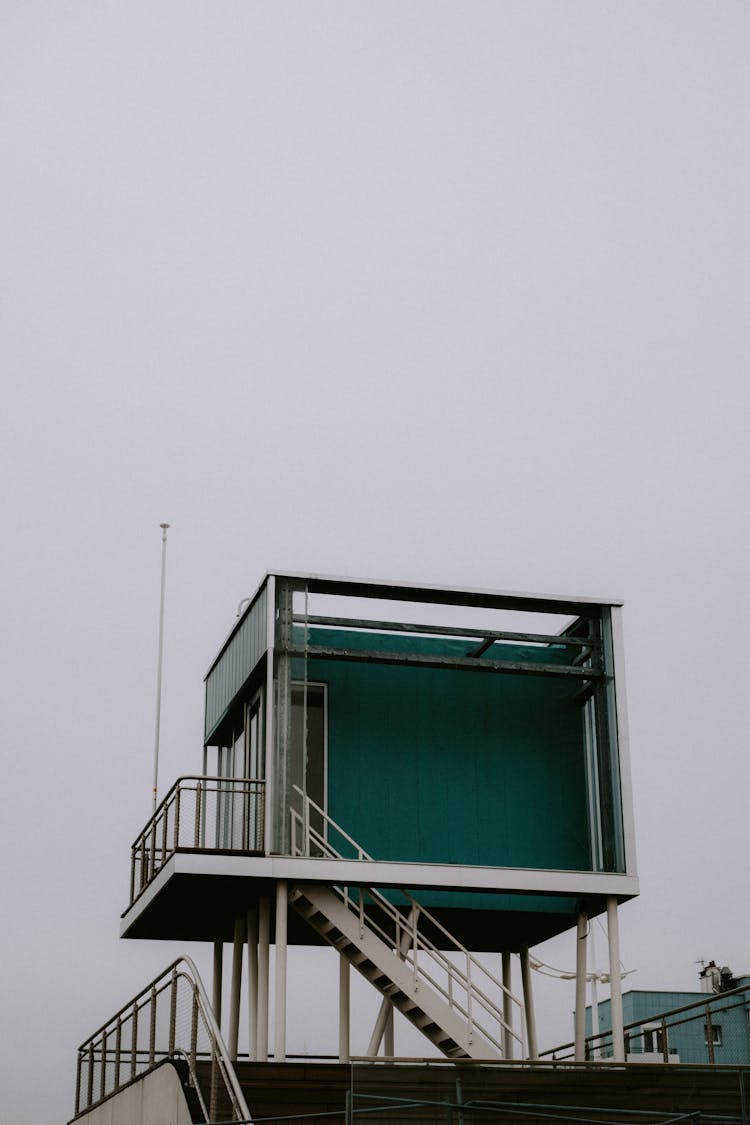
[177,818]
[103,1075]
[198,794]
[152,1029]
[194,1030]
[90,1075]
[214,1085]
[151,866]
[134,1044]
[78,1084]
[118,1052]
[173,1011]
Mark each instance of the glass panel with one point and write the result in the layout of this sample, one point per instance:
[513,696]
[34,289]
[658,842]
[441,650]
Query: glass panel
[237,793]
[307,765]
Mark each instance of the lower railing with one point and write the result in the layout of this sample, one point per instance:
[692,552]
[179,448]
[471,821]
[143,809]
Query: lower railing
[457,976]
[217,813]
[170,1018]
[711,1029]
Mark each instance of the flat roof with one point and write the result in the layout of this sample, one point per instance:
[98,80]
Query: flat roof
[395,590]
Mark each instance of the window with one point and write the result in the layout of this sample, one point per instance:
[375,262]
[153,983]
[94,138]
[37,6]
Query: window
[653,1038]
[715,1034]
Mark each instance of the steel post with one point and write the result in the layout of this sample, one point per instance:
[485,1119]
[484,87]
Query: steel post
[160,659]
[344,1009]
[284,602]
[217,985]
[379,1029]
[580,1012]
[264,941]
[236,989]
[615,981]
[528,1002]
[252,983]
[173,1011]
[388,1038]
[152,1029]
[282,900]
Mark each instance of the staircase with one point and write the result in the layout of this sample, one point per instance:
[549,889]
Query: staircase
[448,996]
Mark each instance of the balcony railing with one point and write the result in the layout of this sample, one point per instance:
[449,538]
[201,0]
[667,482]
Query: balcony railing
[199,814]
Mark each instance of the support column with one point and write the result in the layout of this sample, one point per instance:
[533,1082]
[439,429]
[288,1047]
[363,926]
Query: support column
[615,981]
[595,1051]
[236,992]
[580,1013]
[507,1007]
[282,901]
[344,1010]
[284,605]
[252,983]
[264,942]
[218,966]
[388,1038]
[378,1030]
[528,1002]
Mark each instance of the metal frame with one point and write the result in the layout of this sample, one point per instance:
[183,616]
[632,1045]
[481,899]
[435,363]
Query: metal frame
[606,647]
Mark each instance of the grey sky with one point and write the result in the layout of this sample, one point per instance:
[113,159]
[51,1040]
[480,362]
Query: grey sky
[451,292]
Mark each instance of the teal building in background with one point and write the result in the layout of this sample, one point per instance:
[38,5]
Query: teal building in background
[710,1025]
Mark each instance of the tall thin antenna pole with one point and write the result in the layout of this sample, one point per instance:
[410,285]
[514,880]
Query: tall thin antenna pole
[163,527]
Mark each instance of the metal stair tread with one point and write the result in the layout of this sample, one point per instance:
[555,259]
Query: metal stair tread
[391,972]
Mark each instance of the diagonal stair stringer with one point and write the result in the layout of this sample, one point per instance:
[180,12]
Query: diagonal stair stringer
[391,973]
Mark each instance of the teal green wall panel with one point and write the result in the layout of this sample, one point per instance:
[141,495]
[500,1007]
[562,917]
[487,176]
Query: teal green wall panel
[447,766]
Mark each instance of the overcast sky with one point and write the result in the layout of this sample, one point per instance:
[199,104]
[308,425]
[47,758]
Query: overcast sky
[455,292]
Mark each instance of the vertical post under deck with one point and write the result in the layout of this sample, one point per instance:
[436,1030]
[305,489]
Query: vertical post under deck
[252,983]
[580,1014]
[218,967]
[264,941]
[528,1002]
[344,1009]
[280,972]
[507,1007]
[388,1039]
[234,1010]
[615,981]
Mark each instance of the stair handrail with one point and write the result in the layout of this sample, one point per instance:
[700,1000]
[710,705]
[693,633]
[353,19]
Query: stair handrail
[96,1046]
[310,836]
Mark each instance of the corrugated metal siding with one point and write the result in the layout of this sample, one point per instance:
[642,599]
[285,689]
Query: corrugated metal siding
[235,664]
